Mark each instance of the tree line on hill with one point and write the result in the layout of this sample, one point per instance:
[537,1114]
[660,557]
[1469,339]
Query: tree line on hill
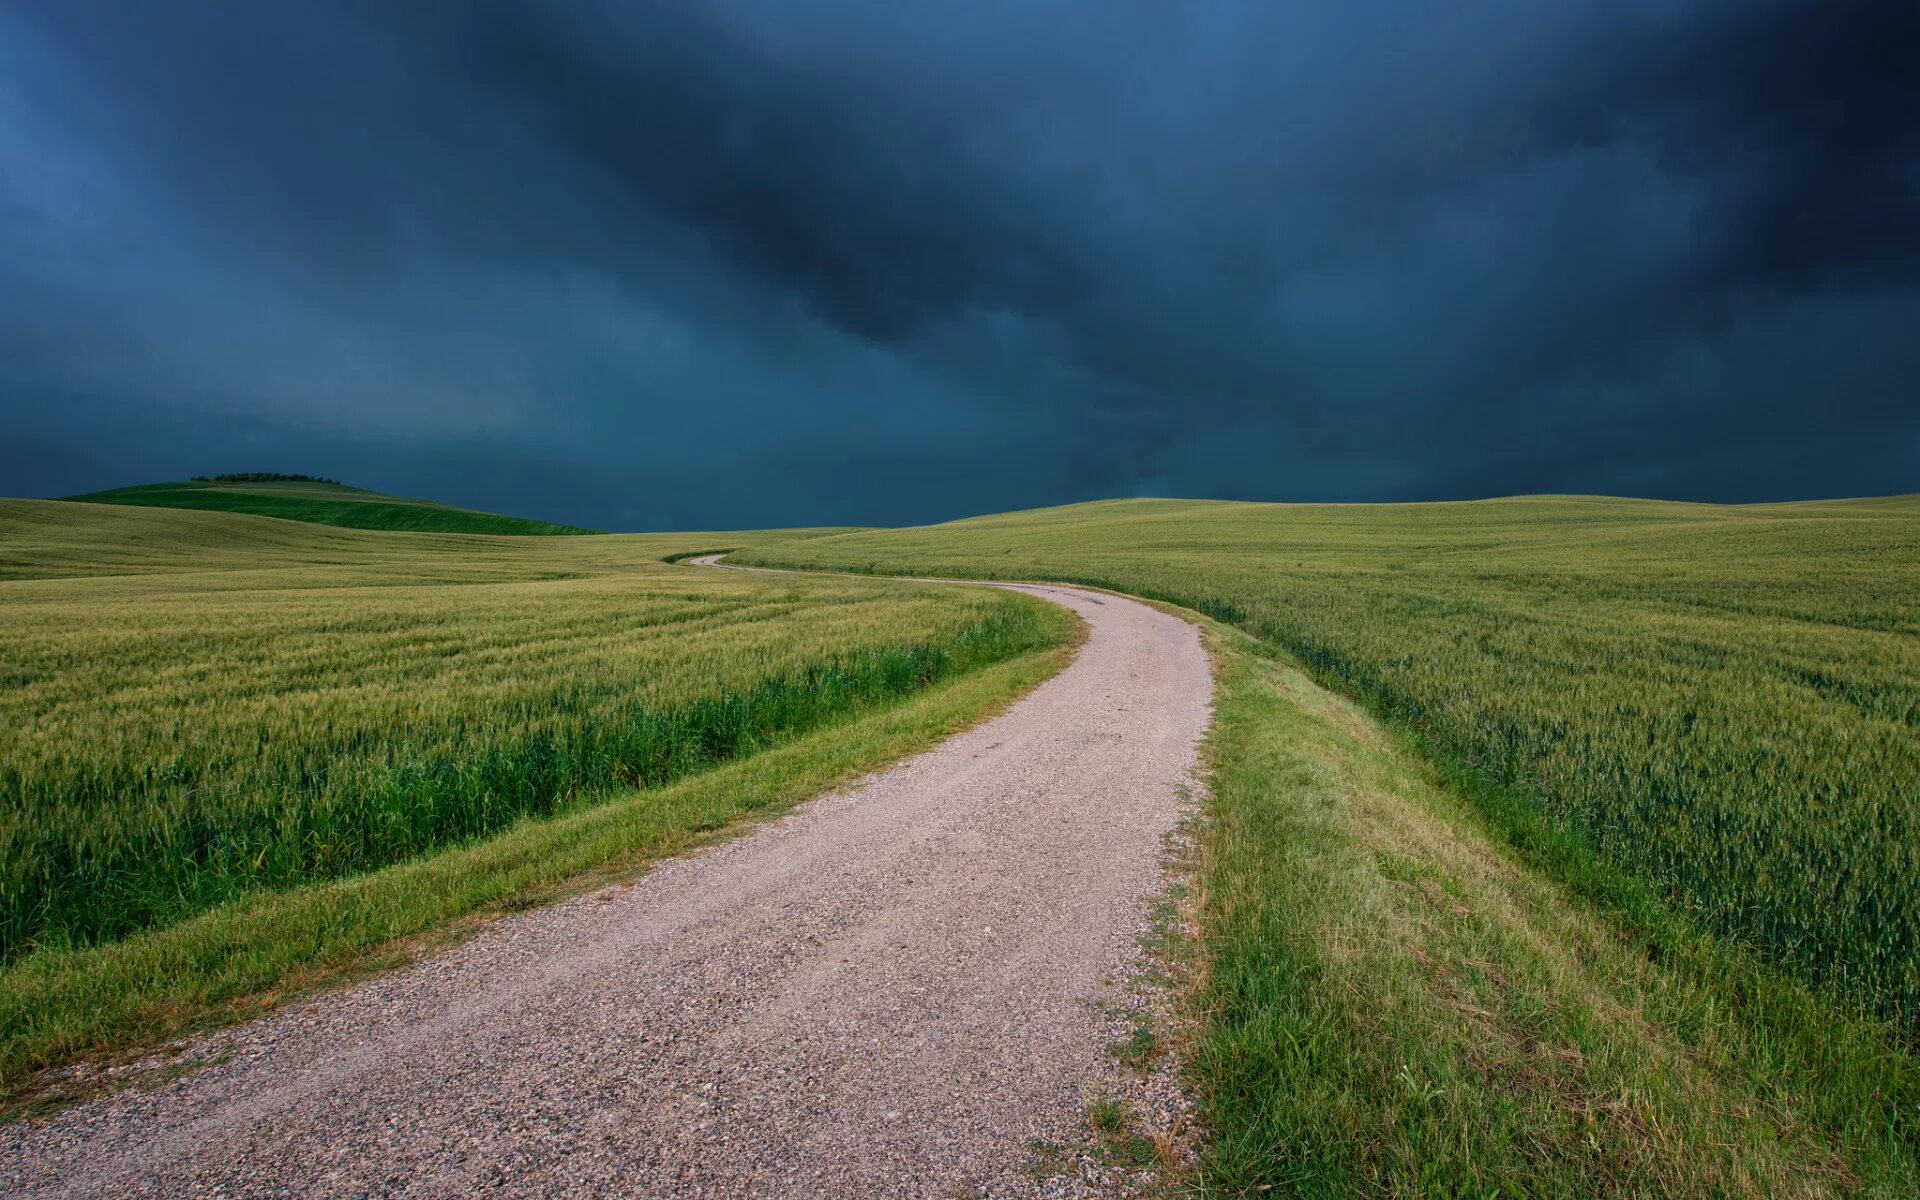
[264,477]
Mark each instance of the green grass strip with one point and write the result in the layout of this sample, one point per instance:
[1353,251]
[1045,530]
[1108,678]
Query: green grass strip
[1407,991]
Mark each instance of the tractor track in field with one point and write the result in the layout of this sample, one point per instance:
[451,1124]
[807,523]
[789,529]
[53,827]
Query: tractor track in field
[898,989]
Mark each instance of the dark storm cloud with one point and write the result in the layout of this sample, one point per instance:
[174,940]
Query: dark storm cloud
[755,263]
[1809,117]
[875,212]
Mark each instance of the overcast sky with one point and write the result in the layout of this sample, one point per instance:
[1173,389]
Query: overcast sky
[717,264]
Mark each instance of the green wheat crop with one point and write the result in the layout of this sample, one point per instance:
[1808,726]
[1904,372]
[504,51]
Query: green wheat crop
[203,705]
[1725,700]
[322,501]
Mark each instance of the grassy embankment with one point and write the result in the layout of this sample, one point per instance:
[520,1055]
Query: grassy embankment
[250,754]
[322,503]
[1617,899]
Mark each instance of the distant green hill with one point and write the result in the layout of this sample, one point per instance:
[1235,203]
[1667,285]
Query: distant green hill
[322,503]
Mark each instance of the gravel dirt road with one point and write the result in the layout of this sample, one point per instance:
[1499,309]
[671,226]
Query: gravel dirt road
[893,991]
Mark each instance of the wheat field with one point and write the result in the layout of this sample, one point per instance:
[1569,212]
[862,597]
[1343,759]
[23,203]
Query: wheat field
[201,706]
[1724,700]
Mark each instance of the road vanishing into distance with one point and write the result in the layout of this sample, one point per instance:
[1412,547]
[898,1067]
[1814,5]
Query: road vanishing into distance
[895,990]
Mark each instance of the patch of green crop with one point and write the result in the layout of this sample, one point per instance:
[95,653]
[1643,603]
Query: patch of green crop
[248,957]
[206,706]
[1722,700]
[321,502]
[1392,1004]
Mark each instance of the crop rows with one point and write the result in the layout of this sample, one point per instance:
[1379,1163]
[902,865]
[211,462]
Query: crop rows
[199,715]
[1726,701]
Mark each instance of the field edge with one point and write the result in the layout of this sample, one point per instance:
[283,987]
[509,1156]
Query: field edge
[1390,996]
[74,1024]
[1711,1070]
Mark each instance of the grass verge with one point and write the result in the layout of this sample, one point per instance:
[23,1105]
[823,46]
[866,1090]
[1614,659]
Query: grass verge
[1723,700]
[246,958]
[1411,991]
[206,705]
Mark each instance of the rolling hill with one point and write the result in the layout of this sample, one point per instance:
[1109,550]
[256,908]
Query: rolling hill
[243,751]
[1553,845]
[1721,697]
[1551,839]
[323,503]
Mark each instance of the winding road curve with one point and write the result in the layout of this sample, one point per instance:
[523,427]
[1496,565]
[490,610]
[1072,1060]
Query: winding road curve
[889,992]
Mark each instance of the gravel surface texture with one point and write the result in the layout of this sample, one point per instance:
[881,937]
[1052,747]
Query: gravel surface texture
[897,990]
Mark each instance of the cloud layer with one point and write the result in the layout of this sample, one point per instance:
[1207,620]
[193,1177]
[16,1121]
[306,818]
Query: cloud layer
[760,263]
